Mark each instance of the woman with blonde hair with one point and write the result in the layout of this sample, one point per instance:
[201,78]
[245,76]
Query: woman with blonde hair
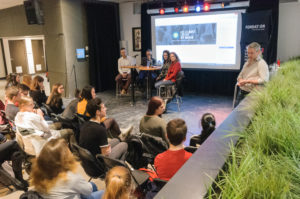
[37,90]
[27,79]
[55,100]
[118,184]
[55,174]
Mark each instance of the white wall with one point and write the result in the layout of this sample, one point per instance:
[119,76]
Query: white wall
[75,36]
[128,20]
[288,31]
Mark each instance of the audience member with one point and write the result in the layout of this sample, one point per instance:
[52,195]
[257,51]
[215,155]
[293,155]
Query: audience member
[93,135]
[87,93]
[10,151]
[12,95]
[27,80]
[173,70]
[118,184]
[71,108]
[13,79]
[31,122]
[24,90]
[170,161]
[166,65]
[124,73]
[208,123]
[55,98]
[37,90]
[55,174]
[152,123]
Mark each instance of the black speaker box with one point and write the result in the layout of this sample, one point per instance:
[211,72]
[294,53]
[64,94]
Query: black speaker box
[34,13]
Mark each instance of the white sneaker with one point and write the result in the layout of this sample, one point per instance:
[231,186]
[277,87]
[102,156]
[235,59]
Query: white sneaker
[125,133]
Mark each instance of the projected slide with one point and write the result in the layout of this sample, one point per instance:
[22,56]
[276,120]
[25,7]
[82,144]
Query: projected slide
[209,40]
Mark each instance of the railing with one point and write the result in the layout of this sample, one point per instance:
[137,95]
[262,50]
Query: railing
[199,172]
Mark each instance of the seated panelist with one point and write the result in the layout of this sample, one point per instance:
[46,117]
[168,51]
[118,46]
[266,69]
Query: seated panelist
[124,73]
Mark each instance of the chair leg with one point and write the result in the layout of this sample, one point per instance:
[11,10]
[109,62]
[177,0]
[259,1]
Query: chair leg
[117,90]
[234,96]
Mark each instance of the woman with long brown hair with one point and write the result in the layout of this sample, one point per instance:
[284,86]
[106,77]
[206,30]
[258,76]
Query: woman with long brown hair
[13,79]
[55,100]
[118,184]
[55,174]
[37,90]
[152,123]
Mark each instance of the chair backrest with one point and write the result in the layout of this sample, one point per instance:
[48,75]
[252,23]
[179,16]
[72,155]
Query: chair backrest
[91,166]
[179,78]
[153,144]
[110,162]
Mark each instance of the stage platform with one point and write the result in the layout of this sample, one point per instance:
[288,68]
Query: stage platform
[192,108]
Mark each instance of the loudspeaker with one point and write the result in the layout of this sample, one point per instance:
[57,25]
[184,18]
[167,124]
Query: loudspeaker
[34,13]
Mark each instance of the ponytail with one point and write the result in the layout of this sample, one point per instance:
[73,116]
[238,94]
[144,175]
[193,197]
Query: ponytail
[118,183]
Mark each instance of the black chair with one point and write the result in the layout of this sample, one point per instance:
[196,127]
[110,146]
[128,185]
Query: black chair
[92,167]
[175,90]
[7,180]
[140,177]
[190,149]
[152,146]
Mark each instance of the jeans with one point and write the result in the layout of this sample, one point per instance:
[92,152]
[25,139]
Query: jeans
[95,194]
[161,82]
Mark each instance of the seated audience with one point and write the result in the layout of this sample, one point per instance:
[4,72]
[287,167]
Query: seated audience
[13,79]
[10,151]
[208,123]
[55,98]
[166,65]
[118,184]
[71,108]
[31,122]
[12,95]
[170,161]
[124,73]
[24,89]
[173,70]
[93,135]
[26,80]
[37,91]
[152,123]
[55,174]
[87,93]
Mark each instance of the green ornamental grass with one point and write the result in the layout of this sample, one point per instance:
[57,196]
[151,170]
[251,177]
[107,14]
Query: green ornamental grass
[265,163]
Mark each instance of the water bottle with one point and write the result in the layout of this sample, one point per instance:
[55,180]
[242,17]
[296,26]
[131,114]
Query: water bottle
[148,64]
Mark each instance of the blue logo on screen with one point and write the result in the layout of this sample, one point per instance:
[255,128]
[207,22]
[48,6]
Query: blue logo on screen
[175,35]
[80,53]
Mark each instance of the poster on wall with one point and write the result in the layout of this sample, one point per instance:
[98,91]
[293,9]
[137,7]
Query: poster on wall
[136,39]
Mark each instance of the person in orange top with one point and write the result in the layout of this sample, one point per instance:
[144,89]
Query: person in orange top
[174,69]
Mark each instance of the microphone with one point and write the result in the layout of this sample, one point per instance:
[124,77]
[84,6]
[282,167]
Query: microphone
[135,55]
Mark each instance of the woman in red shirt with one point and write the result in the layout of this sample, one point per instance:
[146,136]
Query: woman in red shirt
[174,68]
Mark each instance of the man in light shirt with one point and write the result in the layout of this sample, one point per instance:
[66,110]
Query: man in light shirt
[124,73]
[254,73]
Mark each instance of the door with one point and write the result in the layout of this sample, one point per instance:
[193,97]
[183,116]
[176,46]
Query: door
[18,56]
[38,55]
